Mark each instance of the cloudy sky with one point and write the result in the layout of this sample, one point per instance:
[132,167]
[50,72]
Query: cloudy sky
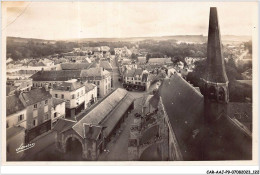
[65,20]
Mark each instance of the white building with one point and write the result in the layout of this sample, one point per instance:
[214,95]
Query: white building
[73,92]
[58,110]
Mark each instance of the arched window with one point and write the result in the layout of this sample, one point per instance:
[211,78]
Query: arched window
[221,94]
[212,92]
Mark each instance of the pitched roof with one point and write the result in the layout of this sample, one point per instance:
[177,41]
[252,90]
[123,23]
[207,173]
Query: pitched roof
[63,125]
[75,66]
[184,106]
[92,131]
[198,140]
[106,65]
[68,86]
[241,111]
[34,96]
[89,86]
[13,105]
[60,75]
[96,115]
[94,72]
[57,101]
[116,114]
[133,72]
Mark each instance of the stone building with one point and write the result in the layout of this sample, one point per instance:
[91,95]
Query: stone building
[16,125]
[38,103]
[95,128]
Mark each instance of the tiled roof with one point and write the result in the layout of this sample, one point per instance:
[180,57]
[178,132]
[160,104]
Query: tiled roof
[34,96]
[63,125]
[89,86]
[106,65]
[133,72]
[94,72]
[57,101]
[75,66]
[13,105]
[113,118]
[68,86]
[61,75]
[96,115]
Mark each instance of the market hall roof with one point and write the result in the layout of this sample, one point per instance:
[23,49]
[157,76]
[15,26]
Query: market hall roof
[110,108]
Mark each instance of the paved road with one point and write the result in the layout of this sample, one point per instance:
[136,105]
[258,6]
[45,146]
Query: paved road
[116,83]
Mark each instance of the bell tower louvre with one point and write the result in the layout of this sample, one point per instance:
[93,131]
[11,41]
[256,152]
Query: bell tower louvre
[216,81]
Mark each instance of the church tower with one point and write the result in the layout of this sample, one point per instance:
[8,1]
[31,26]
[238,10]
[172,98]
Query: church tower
[216,82]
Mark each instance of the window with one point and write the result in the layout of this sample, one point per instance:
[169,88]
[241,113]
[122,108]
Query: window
[72,96]
[68,88]
[35,106]
[46,102]
[46,117]
[55,114]
[98,83]
[221,94]
[62,96]
[99,137]
[20,118]
[56,95]
[34,122]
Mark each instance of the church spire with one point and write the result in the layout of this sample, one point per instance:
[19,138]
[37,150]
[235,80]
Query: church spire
[215,63]
[216,94]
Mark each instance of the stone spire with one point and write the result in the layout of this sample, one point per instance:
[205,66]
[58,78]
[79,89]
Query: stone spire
[216,72]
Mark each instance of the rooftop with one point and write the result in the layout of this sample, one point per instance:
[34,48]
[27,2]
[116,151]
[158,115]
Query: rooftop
[61,75]
[13,105]
[34,96]
[68,86]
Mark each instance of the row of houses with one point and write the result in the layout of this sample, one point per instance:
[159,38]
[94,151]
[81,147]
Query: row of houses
[32,112]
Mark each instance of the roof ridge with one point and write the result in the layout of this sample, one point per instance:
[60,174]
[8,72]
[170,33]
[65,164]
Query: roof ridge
[193,88]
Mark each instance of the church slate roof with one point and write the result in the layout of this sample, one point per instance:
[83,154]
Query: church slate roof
[198,139]
[184,106]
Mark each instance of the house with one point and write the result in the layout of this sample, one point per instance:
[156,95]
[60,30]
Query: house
[90,95]
[73,92]
[57,110]
[16,117]
[100,77]
[38,104]
[137,79]
[96,75]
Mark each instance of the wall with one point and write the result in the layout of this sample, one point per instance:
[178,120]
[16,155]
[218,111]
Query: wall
[40,109]
[71,103]
[13,119]
[60,112]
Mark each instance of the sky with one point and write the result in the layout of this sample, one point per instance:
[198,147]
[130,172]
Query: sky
[71,20]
